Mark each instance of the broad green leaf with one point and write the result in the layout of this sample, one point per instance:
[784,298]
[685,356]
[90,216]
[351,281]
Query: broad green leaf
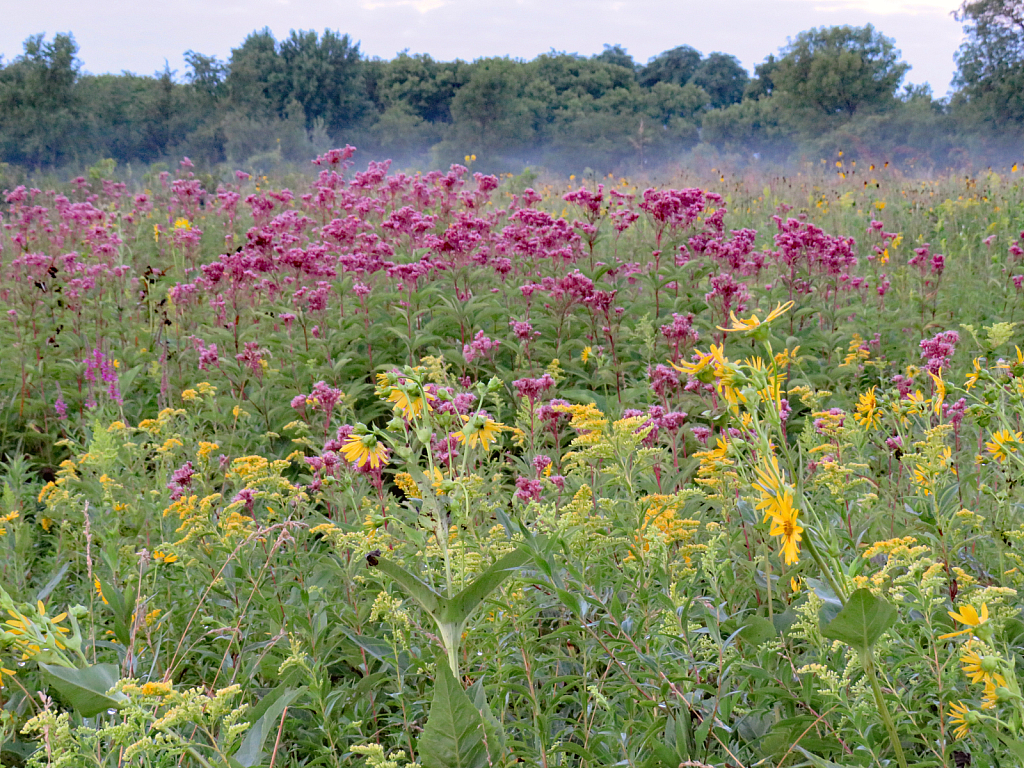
[86,689]
[419,591]
[251,751]
[459,608]
[862,621]
[454,734]
[495,743]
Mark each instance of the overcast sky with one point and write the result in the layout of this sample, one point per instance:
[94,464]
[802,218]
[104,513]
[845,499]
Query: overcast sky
[115,35]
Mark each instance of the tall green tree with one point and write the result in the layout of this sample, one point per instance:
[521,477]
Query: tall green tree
[676,65]
[990,64]
[42,121]
[838,72]
[722,77]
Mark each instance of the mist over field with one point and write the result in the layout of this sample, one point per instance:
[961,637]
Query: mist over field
[277,102]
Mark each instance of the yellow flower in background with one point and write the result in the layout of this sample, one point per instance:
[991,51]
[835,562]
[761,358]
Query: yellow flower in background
[940,392]
[868,414]
[162,557]
[7,672]
[205,449]
[183,223]
[479,429]
[747,326]
[970,616]
[1004,443]
[365,450]
[585,355]
[99,590]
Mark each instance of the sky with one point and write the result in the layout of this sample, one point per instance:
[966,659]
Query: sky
[129,35]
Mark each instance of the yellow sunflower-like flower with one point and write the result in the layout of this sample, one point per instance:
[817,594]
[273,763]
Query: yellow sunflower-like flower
[409,406]
[1004,443]
[981,669]
[702,367]
[480,429]
[363,450]
[963,717]
[753,324]
[975,374]
[868,414]
[969,616]
[940,392]
[785,525]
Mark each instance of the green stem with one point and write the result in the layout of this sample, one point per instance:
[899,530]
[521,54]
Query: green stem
[868,661]
[813,549]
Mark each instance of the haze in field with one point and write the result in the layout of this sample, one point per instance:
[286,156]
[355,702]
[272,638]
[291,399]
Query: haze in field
[141,37]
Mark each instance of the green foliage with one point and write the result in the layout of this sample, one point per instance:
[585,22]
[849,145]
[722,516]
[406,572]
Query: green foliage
[838,71]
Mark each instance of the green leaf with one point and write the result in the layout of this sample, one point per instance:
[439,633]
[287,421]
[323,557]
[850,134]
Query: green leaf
[86,689]
[251,751]
[419,591]
[862,621]
[454,734]
[459,608]
[495,742]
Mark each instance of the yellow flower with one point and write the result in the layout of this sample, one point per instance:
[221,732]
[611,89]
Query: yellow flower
[868,414]
[967,615]
[585,355]
[99,591]
[940,392]
[785,525]
[182,223]
[1003,444]
[163,557]
[205,449]
[409,407]
[748,326]
[5,671]
[189,395]
[701,368]
[962,717]
[981,669]
[364,450]
[770,484]
[480,429]
[156,689]
[975,374]
[153,616]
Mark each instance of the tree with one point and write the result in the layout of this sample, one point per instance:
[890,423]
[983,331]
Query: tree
[206,73]
[489,111]
[324,75]
[722,77]
[676,65]
[616,54]
[417,83]
[256,75]
[990,63]
[41,122]
[838,72]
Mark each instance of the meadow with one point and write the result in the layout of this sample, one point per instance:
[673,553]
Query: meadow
[372,468]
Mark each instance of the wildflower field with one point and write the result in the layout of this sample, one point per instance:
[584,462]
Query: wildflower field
[373,468]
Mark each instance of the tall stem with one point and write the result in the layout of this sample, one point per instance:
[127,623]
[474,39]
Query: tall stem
[868,661]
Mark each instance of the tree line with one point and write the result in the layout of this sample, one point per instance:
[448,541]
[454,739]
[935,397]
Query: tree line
[275,102]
